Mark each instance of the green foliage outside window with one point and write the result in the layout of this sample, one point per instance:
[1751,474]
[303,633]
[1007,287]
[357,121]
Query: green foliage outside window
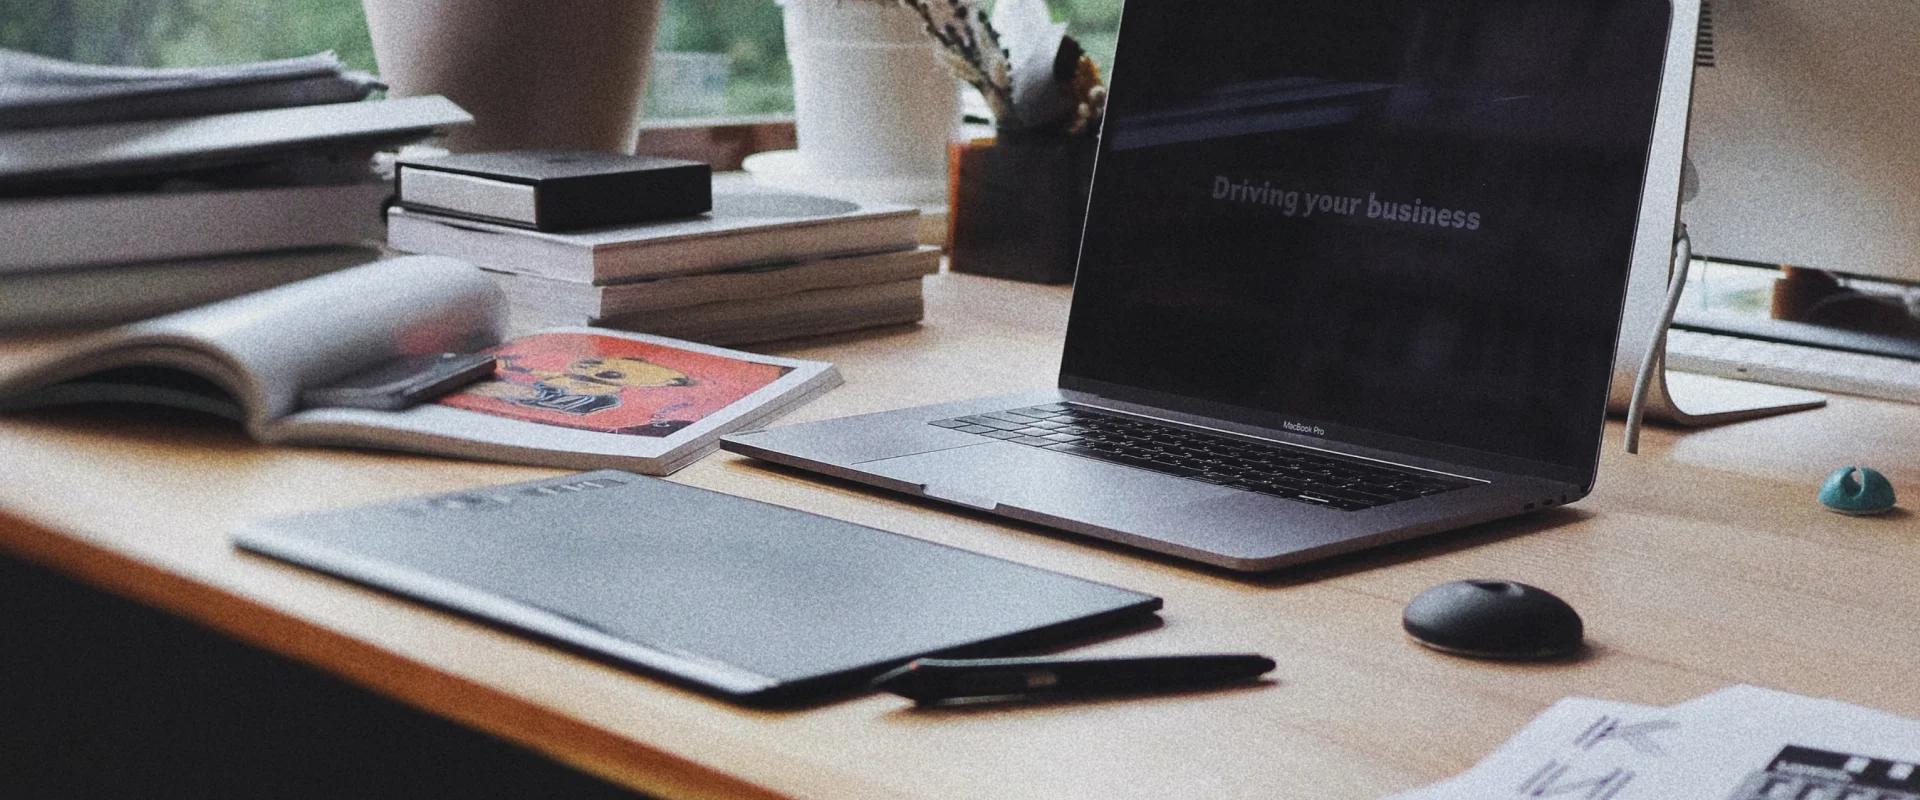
[183,32]
[195,32]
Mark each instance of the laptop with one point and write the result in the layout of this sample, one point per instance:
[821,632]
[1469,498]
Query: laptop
[1352,272]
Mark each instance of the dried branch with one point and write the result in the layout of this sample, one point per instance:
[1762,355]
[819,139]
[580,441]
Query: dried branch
[972,49]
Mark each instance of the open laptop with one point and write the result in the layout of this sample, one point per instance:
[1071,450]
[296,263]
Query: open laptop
[1352,272]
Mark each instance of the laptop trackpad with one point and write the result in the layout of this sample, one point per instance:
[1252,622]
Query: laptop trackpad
[1039,480]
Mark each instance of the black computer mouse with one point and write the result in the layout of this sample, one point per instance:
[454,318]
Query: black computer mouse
[1494,619]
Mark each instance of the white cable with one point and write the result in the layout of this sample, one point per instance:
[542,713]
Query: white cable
[1636,406]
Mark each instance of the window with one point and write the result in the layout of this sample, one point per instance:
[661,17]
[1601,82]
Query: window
[1094,23]
[713,58]
[179,32]
[719,57]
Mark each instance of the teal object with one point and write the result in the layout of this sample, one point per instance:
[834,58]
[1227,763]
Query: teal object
[1870,493]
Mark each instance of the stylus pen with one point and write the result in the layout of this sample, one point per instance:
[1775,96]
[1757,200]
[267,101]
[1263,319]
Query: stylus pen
[935,680]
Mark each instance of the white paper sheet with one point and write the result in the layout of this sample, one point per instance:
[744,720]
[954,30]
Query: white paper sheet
[1740,743]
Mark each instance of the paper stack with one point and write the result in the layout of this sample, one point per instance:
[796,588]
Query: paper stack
[131,192]
[764,264]
[1739,743]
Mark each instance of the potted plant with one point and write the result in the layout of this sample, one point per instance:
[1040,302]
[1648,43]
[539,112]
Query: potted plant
[1017,199]
[874,108]
[534,73]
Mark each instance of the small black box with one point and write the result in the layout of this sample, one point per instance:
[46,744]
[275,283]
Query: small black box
[554,190]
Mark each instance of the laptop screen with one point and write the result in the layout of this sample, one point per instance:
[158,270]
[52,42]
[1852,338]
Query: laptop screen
[1361,217]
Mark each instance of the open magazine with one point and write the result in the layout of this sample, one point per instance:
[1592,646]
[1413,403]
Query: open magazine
[578,398]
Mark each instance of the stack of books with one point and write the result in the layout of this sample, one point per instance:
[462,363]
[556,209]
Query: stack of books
[764,264]
[128,193]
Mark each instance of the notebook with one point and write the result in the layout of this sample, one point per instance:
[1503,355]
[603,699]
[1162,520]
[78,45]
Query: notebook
[749,601]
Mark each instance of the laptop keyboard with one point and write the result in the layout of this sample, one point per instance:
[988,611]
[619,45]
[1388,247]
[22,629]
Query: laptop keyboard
[1293,473]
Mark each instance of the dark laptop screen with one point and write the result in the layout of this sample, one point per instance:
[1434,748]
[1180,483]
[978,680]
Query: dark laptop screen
[1403,217]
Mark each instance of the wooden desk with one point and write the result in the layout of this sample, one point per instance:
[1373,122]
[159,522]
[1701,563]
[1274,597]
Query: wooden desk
[1702,562]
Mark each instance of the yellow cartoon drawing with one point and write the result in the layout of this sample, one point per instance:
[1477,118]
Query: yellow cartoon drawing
[588,384]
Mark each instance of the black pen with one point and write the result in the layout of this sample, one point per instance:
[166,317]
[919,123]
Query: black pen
[929,681]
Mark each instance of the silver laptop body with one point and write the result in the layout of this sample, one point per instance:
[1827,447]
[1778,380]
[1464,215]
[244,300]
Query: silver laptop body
[1426,370]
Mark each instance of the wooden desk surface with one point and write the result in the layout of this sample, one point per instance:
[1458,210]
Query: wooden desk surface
[1702,562]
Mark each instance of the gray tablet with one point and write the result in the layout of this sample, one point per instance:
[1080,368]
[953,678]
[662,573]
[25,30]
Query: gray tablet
[754,602]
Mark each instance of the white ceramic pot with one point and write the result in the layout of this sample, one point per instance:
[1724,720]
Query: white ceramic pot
[534,73]
[872,101]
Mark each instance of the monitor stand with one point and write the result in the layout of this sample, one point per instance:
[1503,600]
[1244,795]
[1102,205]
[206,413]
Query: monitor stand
[1682,398]
[1676,398]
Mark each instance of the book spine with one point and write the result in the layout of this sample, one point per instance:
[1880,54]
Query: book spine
[66,232]
[550,256]
[500,252]
[586,301]
[829,239]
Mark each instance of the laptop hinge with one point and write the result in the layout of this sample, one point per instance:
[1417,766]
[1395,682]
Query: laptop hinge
[1128,412]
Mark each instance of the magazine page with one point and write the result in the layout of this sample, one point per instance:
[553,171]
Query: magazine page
[1752,743]
[264,348]
[1540,752]
[95,368]
[583,398]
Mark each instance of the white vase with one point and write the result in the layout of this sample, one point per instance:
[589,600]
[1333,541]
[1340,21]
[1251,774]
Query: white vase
[874,107]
